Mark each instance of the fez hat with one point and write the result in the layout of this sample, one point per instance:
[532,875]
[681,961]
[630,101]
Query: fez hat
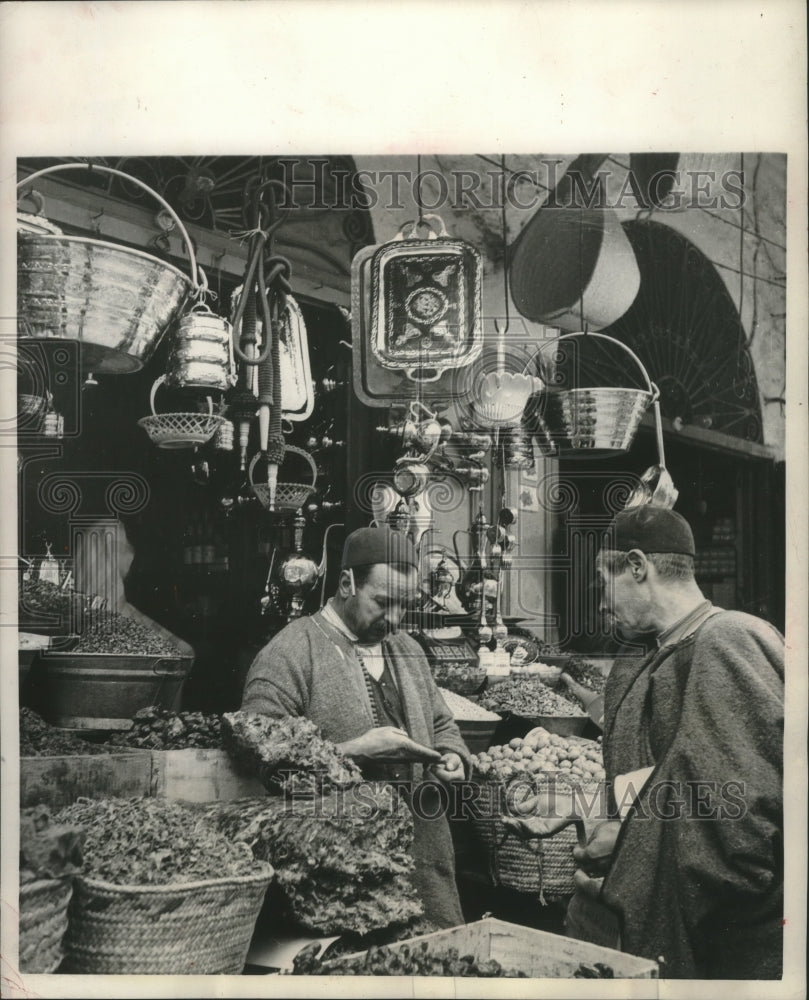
[369,546]
[650,529]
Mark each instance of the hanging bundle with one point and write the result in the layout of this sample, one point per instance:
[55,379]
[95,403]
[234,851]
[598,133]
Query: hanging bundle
[265,286]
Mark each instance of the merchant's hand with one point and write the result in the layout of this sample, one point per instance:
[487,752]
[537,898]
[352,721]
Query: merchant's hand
[449,768]
[587,886]
[388,743]
[585,695]
[542,815]
[594,859]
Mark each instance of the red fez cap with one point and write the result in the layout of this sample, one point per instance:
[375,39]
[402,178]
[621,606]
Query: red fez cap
[650,529]
[369,546]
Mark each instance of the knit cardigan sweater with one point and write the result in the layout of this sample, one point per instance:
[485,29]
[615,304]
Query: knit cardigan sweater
[309,669]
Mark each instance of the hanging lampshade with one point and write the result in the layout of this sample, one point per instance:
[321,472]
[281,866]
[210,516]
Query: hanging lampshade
[574,268]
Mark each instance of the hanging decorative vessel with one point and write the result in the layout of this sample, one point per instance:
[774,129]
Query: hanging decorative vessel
[201,354]
[592,422]
[117,302]
[179,430]
[297,573]
[422,311]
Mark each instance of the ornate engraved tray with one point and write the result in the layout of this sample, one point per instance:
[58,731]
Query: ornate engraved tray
[425,305]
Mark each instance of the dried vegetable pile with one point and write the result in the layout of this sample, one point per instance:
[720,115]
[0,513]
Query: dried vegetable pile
[154,842]
[113,633]
[38,739]
[342,859]
[341,846]
[542,754]
[158,728]
[286,754]
[419,960]
[48,849]
[530,697]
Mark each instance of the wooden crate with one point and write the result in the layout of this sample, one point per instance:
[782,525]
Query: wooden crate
[539,954]
[188,775]
[58,781]
[200,776]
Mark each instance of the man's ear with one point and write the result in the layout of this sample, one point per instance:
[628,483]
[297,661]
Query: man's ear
[344,584]
[638,565]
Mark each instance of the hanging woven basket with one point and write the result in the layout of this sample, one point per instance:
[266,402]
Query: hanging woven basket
[179,430]
[288,497]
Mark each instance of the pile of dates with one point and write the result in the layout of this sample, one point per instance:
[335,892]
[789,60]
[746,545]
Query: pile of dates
[38,739]
[114,633]
[158,728]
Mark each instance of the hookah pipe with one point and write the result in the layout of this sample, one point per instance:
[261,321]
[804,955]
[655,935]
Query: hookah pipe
[271,289]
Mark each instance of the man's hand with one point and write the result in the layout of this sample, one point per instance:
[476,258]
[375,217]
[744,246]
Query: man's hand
[587,886]
[585,695]
[594,859]
[449,768]
[542,815]
[388,743]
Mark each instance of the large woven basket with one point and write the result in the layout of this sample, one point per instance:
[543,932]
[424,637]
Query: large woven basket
[542,867]
[43,922]
[194,928]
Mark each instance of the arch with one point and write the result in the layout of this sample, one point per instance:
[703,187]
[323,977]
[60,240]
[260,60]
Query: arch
[686,328]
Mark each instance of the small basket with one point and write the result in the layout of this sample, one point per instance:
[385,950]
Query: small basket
[43,922]
[194,928]
[288,496]
[180,430]
[542,867]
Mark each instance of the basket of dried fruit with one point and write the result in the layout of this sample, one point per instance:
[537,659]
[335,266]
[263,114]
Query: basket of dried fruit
[161,892]
[507,776]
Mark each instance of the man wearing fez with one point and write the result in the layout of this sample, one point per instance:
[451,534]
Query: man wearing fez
[369,689]
[689,868]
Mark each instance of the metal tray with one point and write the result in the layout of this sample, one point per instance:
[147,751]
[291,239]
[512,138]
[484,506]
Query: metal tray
[425,306]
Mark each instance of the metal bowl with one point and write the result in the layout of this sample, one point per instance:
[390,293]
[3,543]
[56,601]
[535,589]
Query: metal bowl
[116,301]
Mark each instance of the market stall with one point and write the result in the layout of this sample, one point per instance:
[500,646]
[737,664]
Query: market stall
[223,373]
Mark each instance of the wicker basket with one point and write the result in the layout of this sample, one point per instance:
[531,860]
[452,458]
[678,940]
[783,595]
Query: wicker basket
[43,922]
[543,867]
[194,928]
[288,496]
[179,430]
